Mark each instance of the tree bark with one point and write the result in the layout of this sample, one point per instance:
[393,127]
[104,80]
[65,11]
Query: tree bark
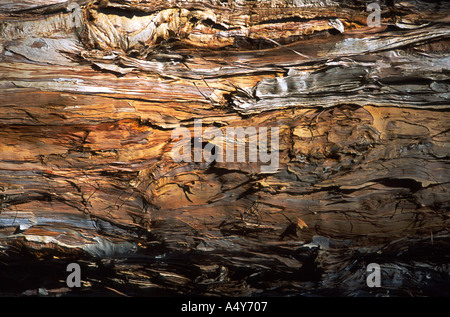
[92,92]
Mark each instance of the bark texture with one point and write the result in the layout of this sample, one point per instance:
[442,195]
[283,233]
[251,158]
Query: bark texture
[91,91]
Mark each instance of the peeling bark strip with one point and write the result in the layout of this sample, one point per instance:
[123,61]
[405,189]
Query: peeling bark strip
[93,92]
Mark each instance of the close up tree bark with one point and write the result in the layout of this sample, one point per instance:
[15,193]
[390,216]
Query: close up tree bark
[91,93]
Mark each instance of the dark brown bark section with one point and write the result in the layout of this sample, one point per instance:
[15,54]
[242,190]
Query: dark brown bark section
[90,95]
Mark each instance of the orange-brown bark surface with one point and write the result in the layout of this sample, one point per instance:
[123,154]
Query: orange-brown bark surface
[91,91]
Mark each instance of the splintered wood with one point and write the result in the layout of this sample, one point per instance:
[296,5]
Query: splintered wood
[353,117]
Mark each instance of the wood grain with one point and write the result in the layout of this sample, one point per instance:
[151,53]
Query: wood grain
[91,91]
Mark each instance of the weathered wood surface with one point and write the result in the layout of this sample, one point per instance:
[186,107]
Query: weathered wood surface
[92,90]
